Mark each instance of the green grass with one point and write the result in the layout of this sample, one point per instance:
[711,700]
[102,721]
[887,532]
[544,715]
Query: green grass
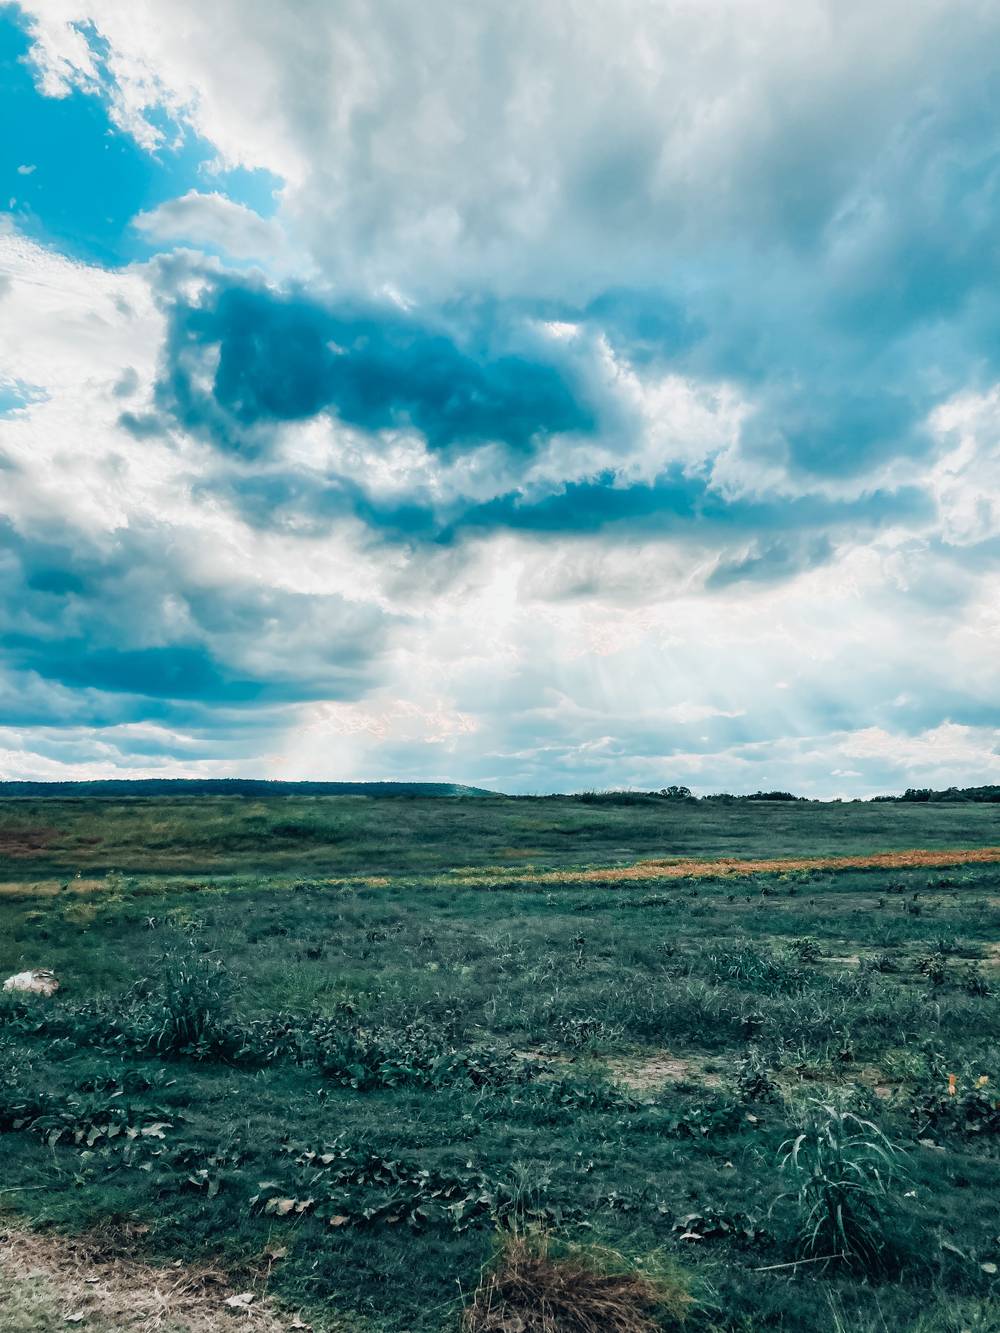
[426,1060]
[358,835]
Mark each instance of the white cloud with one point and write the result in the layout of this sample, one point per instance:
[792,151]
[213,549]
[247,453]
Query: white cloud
[966,479]
[217,223]
[426,149]
[731,153]
[692,712]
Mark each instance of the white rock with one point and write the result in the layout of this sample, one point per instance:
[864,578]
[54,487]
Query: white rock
[39,981]
[241,1302]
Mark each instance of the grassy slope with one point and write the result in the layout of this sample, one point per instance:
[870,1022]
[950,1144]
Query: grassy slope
[586,974]
[354,835]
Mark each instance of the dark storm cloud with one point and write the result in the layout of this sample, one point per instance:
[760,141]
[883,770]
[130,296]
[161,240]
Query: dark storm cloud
[282,357]
[677,501]
[676,504]
[129,618]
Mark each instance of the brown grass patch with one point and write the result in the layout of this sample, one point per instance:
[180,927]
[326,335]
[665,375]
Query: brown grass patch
[24,843]
[534,1288]
[29,888]
[52,888]
[673,868]
[56,1282]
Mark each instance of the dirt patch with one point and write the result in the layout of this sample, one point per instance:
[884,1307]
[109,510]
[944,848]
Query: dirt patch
[884,1088]
[992,955]
[53,1282]
[650,1073]
[705,869]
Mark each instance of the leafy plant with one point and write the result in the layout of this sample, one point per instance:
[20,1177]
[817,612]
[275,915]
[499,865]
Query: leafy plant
[351,1185]
[975,983]
[721,1116]
[718,1224]
[934,966]
[878,963]
[965,1106]
[753,1077]
[807,950]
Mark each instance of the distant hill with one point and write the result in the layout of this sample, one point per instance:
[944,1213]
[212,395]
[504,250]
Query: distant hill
[117,787]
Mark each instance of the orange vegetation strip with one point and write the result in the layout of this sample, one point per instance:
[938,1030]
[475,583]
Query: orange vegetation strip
[674,869]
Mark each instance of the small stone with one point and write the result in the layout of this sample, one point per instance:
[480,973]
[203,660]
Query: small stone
[36,981]
[241,1302]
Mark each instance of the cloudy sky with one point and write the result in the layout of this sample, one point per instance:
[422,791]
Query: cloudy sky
[548,395]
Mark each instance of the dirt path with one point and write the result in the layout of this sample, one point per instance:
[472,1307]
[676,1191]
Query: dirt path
[55,1282]
[704,869]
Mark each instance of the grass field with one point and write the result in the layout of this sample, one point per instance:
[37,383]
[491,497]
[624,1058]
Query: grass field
[339,1048]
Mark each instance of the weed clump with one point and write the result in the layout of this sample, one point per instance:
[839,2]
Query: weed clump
[845,1171]
[537,1286]
[186,1012]
[754,1080]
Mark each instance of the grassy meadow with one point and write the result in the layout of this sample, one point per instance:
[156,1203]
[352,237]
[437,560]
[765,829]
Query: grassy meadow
[345,1049]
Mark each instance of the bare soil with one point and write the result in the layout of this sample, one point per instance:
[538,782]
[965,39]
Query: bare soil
[652,1072]
[54,1282]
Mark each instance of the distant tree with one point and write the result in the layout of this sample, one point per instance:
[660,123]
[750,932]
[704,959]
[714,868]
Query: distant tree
[979,795]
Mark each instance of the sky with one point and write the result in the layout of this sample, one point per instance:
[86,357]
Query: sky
[548,397]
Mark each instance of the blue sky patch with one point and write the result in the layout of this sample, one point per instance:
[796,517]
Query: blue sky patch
[72,180]
[15,395]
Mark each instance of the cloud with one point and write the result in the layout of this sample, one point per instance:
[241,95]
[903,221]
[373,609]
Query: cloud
[214,222]
[243,355]
[611,398]
[129,616]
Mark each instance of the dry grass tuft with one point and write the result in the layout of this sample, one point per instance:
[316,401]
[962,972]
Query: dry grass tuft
[535,1287]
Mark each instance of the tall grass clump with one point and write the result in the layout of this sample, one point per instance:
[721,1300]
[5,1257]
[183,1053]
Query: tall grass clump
[757,969]
[188,1009]
[845,1172]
